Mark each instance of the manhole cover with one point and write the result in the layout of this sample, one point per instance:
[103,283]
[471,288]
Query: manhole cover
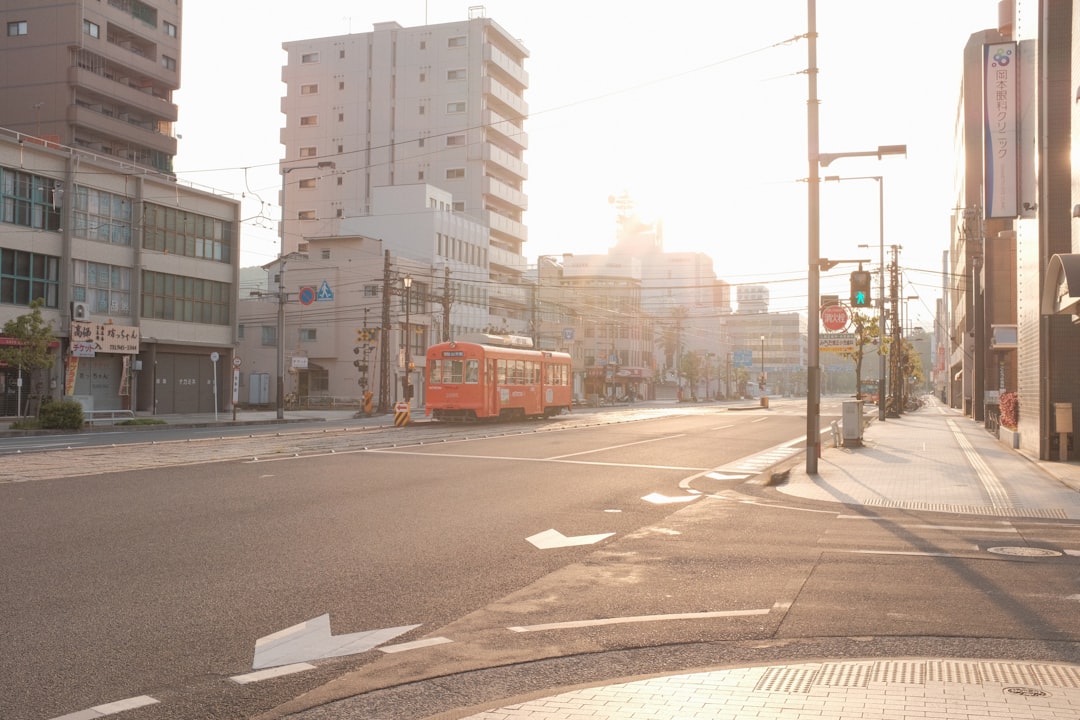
[1024,551]
[1027,691]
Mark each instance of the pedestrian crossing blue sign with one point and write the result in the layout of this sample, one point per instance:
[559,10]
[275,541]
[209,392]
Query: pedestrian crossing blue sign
[325,293]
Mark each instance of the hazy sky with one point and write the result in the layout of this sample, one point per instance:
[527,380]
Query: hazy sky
[697,110]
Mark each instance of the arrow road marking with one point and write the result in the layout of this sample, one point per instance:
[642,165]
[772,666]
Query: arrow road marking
[554,539]
[658,499]
[312,640]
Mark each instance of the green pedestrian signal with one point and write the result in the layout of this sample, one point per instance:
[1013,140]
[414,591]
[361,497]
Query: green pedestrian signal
[860,289]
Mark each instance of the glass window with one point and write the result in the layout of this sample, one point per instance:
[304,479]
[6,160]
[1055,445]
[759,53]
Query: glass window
[458,41]
[168,63]
[91,28]
[18,27]
[307,58]
[472,371]
[455,108]
[307,120]
[309,89]
[169,28]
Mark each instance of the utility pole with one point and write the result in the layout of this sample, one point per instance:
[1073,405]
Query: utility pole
[447,300]
[895,352]
[384,340]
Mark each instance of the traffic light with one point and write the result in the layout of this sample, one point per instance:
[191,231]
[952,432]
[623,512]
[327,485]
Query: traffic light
[860,289]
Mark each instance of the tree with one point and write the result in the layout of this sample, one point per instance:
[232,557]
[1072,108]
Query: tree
[33,337]
[866,332]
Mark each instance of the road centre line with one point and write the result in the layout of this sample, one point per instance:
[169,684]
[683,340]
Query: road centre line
[270,673]
[110,708]
[616,447]
[393,451]
[572,624]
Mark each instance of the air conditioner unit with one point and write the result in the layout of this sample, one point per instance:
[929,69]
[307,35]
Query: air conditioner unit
[80,311]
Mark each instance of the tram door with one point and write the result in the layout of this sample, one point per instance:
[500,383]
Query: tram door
[492,384]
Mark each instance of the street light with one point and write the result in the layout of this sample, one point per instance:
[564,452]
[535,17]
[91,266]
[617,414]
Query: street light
[285,170]
[407,387]
[761,382]
[881,282]
[813,351]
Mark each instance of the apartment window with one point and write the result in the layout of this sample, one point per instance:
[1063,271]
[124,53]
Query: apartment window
[308,152]
[455,173]
[18,27]
[420,175]
[91,28]
[26,276]
[269,335]
[340,149]
[169,28]
[458,41]
[186,299]
[308,334]
[371,291]
[309,89]
[455,107]
[422,109]
[458,74]
[423,44]
[340,180]
[168,63]
[106,288]
[305,215]
[325,254]
[308,183]
[309,120]
[459,206]
[340,213]
[420,142]
[423,77]
[455,140]
[341,85]
[308,58]
[341,54]
[341,117]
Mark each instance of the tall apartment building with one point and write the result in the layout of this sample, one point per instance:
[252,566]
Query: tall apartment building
[436,104]
[97,76]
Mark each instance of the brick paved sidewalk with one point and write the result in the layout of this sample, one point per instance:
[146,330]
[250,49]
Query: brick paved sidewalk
[948,689]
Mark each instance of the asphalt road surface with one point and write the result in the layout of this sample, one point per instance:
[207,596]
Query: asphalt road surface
[165,587]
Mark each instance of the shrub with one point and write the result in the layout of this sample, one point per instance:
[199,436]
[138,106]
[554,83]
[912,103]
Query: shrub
[1010,410]
[61,415]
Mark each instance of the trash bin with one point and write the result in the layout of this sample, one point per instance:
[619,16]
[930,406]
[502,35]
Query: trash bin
[764,401]
[852,417]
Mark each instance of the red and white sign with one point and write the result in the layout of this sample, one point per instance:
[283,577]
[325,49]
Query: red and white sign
[834,317]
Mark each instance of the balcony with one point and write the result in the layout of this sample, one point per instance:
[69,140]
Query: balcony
[506,64]
[125,94]
[506,161]
[126,134]
[504,258]
[502,225]
[497,92]
[505,193]
[505,129]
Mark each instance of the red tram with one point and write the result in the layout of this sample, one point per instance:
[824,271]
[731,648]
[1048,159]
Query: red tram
[471,381]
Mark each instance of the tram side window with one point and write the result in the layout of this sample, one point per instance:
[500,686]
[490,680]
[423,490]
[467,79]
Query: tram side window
[472,372]
[434,371]
[455,368]
[501,372]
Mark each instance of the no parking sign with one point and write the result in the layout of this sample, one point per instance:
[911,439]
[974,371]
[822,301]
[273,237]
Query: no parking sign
[307,295]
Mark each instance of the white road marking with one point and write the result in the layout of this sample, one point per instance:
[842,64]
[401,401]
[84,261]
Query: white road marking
[415,645]
[658,499]
[271,673]
[550,539]
[904,552]
[570,625]
[949,528]
[616,447]
[110,708]
[395,451]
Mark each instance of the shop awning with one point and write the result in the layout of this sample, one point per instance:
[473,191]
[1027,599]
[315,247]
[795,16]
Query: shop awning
[1061,291]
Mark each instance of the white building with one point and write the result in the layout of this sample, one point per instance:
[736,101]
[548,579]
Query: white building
[436,104]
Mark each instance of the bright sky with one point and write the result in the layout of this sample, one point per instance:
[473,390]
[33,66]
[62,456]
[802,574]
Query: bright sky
[697,110]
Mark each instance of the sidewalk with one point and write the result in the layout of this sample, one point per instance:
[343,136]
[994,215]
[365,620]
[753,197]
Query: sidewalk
[934,459]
